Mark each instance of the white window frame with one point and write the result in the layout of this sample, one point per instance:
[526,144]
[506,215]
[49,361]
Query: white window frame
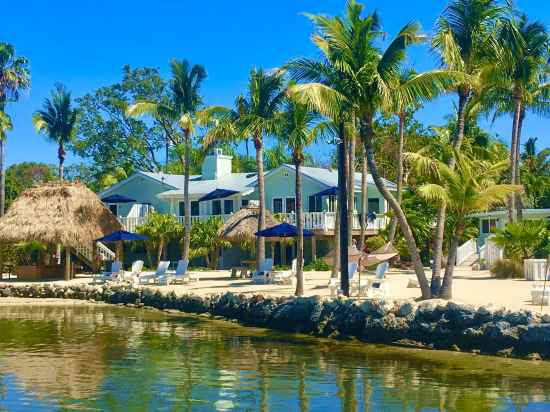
[283,199]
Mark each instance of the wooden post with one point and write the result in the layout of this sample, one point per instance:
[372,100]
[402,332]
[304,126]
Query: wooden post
[313,247]
[67,263]
[283,253]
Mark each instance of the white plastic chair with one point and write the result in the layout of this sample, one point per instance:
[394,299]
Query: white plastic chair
[145,279]
[286,278]
[179,275]
[135,271]
[379,287]
[264,274]
[334,284]
[111,276]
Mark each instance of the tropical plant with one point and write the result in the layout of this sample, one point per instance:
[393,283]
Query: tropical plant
[519,82]
[57,121]
[181,107]
[206,242]
[507,269]
[161,229]
[536,175]
[520,240]
[465,41]
[468,187]
[300,128]
[22,176]
[14,78]
[257,116]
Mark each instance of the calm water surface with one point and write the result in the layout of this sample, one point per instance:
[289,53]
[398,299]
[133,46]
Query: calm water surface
[103,358]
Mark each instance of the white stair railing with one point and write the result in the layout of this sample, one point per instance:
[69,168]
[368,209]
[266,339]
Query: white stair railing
[466,251]
[491,253]
[87,251]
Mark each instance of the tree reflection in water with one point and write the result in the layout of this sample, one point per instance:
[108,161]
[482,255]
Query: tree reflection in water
[120,359]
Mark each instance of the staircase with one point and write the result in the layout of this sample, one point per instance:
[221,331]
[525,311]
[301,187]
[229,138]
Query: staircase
[85,253]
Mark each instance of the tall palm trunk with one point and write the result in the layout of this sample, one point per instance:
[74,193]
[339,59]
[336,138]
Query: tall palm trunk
[186,202]
[399,161]
[446,291]
[337,234]
[61,157]
[405,227]
[463,96]
[364,201]
[260,241]
[350,172]
[343,204]
[2,179]
[514,151]
[519,202]
[300,230]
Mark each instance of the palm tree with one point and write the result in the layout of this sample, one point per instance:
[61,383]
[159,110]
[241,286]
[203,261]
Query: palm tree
[299,130]
[181,107]
[470,186]
[535,173]
[257,116]
[519,83]
[57,121]
[14,78]
[465,42]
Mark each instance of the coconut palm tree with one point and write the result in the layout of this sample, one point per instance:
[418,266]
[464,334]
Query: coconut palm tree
[256,116]
[466,44]
[519,82]
[57,121]
[535,173]
[300,128]
[14,78]
[470,186]
[181,107]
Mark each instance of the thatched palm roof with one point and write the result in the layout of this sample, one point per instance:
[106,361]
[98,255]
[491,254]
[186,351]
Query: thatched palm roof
[57,213]
[242,226]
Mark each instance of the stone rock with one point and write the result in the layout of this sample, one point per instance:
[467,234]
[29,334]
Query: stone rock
[407,309]
[460,315]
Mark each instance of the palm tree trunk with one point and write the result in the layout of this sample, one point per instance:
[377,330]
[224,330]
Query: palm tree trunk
[399,161]
[2,179]
[260,241]
[519,202]
[512,207]
[405,227]
[446,291]
[186,202]
[351,180]
[364,201]
[442,212]
[300,230]
[336,257]
[61,157]
[343,203]
[160,250]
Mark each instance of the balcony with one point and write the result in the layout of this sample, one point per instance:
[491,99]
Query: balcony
[317,221]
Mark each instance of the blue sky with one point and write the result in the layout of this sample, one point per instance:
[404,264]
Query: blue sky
[84,44]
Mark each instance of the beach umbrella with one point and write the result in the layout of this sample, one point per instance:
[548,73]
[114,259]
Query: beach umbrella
[331,191]
[121,236]
[282,230]
[218,194]
[118,199]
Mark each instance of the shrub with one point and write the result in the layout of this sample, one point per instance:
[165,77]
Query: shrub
[520,240]
[507,269]
[374,242]
[317,265]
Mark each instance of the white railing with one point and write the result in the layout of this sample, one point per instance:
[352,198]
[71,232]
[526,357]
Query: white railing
[466,251]
[88,252]
[490,253]
[535,269]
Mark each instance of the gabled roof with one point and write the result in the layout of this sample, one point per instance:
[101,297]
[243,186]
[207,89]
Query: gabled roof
[239,182]
[527,213]
[329,177]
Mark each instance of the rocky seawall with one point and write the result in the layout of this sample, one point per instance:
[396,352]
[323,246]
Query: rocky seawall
[430,324]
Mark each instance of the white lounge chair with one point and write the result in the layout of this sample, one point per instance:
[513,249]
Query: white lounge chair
[379,287]
[286,277]
[179,275]
[137,267]
[110,276]
[263,275]
[334,284]
[147,278]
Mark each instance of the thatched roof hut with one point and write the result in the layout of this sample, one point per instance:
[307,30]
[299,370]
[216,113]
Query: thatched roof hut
[242,226]
[69,214]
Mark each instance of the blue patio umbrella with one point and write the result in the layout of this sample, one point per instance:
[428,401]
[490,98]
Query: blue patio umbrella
[122,236]
[282,230]
[118,199]
[331,191]
[218,194]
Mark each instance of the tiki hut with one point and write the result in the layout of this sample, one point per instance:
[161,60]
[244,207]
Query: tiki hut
[67,214]
[243,225]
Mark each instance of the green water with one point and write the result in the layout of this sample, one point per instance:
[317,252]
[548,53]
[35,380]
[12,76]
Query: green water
[105,358]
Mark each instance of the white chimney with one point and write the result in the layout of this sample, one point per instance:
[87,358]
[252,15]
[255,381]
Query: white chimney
[216,165]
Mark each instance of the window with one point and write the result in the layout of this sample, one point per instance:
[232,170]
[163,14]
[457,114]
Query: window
[331,204]
[315,204]
[195,210]
[277,205]
[227,207]
[290,204]
[216,207]
[374,205]
[114,209]
[244,202]
[488,225]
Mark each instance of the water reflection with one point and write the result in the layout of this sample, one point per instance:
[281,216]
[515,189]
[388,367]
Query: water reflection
[97,358]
